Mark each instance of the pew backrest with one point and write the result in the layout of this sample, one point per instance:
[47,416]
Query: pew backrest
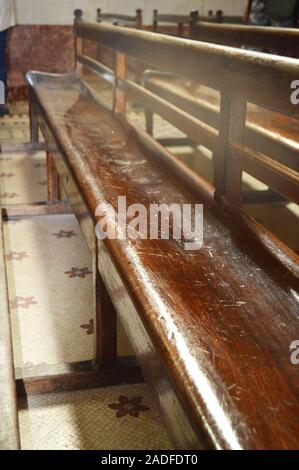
[133,21]
[233,73]
[282,41]
[181,25]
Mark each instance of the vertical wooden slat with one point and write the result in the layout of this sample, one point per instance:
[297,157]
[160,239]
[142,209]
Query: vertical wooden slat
[121,72]
[79,47]
[139,66]
[9,426]
[220,157]
[194,17]
[155,21]
[53,180]
[233,182]
[219,16]
[34,136]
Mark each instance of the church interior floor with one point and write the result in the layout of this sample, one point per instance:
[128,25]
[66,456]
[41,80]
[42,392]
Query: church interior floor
[50,287]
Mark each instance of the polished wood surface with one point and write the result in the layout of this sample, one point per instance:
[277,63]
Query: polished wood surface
[211,328]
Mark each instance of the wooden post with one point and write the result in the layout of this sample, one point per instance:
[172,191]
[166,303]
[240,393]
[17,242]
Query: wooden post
[121,71]
[53,180]
[139,65]
[180,29]
[219,16]
[139,18]
[233,183]
[220,157]
[155,21]
[34,135]
[78,41]
[105,322]
[194,17]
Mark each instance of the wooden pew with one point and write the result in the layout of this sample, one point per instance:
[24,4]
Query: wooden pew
[211,328]
[9,427]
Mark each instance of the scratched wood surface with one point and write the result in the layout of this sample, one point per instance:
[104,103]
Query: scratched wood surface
[221,319]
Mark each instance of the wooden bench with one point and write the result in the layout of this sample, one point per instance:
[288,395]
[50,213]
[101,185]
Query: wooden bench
[211,328]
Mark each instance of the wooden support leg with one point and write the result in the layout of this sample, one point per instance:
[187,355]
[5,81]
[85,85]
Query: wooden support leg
[105,324]
[149,122]
[34,136]
[53,180]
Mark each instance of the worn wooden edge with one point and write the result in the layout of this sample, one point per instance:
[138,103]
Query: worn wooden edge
[281,252]
[77,376]
[35,210]
[9,425]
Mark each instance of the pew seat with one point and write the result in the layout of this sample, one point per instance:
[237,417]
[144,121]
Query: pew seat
[211,328]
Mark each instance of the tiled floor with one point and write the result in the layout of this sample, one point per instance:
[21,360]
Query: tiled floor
[115,418]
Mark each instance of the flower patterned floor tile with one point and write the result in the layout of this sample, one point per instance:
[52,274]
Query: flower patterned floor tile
[50,291]
[114,418]
[23,178]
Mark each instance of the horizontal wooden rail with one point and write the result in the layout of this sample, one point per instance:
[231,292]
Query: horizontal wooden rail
[183,19]
[216,66]
[113,16]
[274,39]
[276,175]
[196,130]
[105,72]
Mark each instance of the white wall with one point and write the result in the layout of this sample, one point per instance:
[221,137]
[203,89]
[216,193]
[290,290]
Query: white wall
[60,11]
